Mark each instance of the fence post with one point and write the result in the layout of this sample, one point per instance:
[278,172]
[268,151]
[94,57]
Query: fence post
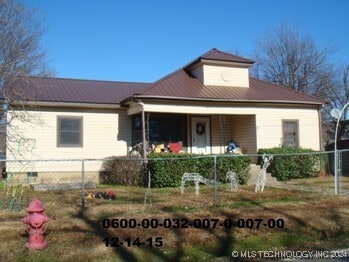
[147,193]
[215,178]
[335,169]
[83,183]
[339,177]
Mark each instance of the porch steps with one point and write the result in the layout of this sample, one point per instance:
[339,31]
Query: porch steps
[254,169]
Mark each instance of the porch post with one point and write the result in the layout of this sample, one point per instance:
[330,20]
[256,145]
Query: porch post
[143,131]
[336,179]
[222,133]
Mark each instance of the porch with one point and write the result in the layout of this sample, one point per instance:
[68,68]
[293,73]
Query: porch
[195,133]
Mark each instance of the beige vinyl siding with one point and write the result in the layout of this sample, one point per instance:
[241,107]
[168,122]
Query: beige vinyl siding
[225,76]
[240,128]
[268,120]
[104,134]
[269,127]
[196,108]
[244,133]
[219,75]
[221,132]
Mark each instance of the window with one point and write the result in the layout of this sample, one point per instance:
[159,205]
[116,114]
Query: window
[69,131]
[290,133]
[165,128]
[136,129]
[160,128]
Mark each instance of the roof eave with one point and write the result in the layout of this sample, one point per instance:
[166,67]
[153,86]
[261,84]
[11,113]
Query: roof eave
[66,104]
[136,97]
[129,99]
[199,61]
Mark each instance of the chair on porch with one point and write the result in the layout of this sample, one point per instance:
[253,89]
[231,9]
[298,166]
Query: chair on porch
[175,147]
[158,148]
[234,148]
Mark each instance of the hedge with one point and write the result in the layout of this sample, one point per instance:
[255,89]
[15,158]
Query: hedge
[167,169]
[285,167]
[122,171]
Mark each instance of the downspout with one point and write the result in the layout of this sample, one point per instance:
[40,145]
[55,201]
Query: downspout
[143,130]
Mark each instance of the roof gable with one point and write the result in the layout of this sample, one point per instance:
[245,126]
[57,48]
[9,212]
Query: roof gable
[217,55]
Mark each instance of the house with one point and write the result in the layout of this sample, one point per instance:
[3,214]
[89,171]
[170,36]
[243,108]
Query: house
[202,105]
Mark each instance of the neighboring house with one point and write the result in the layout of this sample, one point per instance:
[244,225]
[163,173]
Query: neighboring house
[204,105]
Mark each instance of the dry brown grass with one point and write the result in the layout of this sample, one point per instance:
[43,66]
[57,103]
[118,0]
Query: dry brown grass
[312,222]
[321,182]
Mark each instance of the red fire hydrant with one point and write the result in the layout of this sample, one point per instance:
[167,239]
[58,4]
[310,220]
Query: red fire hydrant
[35,221]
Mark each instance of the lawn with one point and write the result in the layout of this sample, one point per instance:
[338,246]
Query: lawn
[321,182]
[179,227]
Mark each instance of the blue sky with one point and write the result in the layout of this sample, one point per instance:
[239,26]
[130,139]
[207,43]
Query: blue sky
[142,41]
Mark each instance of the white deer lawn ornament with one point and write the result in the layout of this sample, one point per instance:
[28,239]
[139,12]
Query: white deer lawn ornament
[196,177]
[262,174]
[234,180]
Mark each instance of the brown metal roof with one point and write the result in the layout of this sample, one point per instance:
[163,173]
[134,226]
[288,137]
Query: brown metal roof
[215,54]
[177,85]
[47,89]
[180,85]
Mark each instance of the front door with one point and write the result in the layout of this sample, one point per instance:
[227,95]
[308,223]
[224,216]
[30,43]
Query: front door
[200,135]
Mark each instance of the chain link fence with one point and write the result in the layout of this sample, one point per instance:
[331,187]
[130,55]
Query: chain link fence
[169,182]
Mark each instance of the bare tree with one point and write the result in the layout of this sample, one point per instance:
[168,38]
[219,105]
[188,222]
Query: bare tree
[20,49]
[20,54]
[292,59]
[338,88]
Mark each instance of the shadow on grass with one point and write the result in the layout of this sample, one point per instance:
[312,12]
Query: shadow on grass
[225,238]
[122,252]
[303,225]
[180,250]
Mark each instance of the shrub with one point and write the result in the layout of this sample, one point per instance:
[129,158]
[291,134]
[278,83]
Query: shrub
[122,171]
[238,164]
[167,169]
[299,165]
